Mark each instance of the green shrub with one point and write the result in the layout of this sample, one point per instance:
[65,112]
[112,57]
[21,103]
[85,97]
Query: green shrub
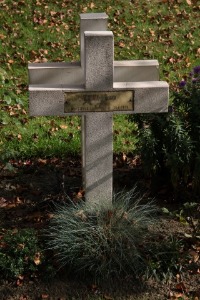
[19,253]
[164,258]
[169,143]
[106,241]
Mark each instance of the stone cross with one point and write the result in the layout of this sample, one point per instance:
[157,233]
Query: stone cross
[96,88]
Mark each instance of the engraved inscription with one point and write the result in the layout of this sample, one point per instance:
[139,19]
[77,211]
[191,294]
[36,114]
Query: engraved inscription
[99,101]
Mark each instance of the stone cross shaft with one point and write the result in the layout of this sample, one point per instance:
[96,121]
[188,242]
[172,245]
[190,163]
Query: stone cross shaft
[95,88]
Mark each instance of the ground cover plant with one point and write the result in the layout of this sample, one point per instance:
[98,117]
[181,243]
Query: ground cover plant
[19,253]
[38,156]
[173,139]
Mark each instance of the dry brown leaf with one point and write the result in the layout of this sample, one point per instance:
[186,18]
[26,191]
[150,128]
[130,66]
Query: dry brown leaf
[176,296]
[19,282]
[194,255]
[50,216]
[181,287]
[171,60]
[3,202]
[19,137]
[124,157]
[11,205]
[92,5]
[45,296]
[53,13]
[42,161]
[37,260]
[189,2]
[122,44]
[62,126]
[2,36]
[21,246]
[152,32]
[23,298]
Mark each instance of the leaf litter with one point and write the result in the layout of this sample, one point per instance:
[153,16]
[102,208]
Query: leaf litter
[23,207]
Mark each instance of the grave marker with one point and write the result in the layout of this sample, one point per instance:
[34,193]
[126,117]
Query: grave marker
[95,88]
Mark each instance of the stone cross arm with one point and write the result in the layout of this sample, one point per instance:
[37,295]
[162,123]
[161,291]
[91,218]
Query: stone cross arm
[148,97]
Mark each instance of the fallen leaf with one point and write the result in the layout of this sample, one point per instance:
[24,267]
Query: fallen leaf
[194,255]
[178,295]
[124,157]
[171,60]
[19,137]
[92,5]
[37,260]
[23,298]
[63,126]
[3,202]
[181,287]
[11,205]
[42,161]
[152,32]
[44,296]
[53,13]
[21,246]
[19,282]
[50,216]
[189,2]
[122,44]
[2,36]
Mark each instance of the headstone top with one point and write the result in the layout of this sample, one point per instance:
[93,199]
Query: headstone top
[93,16]
[98,33]
[99,57]
[135,63]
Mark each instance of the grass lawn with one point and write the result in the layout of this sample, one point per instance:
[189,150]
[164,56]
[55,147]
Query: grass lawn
[40,31]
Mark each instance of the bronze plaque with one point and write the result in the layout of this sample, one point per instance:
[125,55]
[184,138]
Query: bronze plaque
[99,101]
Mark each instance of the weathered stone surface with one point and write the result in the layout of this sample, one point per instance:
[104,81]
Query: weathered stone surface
[136,70]
[149,97]
[91,22]
[54,74]
[99,56]
[72,74]
[97,156]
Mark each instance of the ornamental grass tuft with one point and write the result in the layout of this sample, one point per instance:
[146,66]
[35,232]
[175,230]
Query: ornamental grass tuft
[105,241]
